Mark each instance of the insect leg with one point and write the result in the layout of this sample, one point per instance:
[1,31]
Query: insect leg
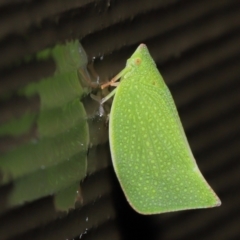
[108,96]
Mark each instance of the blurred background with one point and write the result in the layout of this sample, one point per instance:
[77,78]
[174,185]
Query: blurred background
[56,175]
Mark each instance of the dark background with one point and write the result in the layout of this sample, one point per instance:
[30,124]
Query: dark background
[196,45]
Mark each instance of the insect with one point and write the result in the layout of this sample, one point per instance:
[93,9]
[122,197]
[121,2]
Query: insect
[150,152]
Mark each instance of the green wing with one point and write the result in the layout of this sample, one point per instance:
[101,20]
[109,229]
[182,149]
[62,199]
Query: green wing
[151,156]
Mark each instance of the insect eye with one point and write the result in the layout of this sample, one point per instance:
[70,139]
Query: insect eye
[138,61]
